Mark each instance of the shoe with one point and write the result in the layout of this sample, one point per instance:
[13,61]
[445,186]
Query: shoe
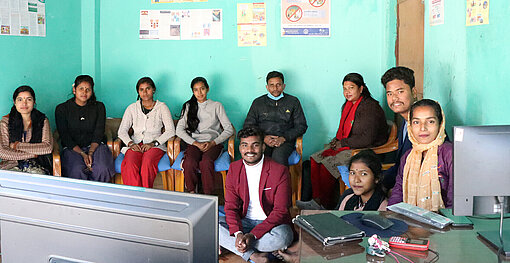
[309,205]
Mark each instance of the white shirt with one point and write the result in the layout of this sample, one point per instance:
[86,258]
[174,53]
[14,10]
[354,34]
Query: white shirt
[253,172]
[404,132]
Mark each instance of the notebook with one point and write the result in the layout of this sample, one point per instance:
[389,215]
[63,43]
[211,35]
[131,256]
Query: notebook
[328,228]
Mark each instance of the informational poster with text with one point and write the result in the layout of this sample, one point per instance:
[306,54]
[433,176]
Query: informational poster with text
[185,24]
[251,25]
[306,18]
[436,12]
[477,12]
[23,18]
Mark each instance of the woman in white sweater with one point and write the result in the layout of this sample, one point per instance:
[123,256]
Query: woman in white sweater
[147,145]
[204,126]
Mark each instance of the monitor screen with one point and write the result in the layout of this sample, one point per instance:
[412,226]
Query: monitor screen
[53,219]
[481,168]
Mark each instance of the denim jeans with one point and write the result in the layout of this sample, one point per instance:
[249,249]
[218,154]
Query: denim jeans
[279,237]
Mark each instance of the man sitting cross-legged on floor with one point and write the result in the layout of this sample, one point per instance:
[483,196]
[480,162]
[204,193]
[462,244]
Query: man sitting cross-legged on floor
[257,201]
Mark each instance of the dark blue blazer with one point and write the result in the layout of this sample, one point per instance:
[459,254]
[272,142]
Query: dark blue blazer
[404,145]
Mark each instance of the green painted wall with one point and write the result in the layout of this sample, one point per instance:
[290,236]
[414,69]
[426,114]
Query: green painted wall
[465,66]
[48,64]
[363,36]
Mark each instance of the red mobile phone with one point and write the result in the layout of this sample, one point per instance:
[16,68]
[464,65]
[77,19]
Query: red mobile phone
[407,243]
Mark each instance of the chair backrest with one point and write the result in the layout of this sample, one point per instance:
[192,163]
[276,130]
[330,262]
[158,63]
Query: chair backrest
[112,125]
[392,131]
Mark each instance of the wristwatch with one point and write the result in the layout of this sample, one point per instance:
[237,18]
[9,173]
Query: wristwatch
[156,143]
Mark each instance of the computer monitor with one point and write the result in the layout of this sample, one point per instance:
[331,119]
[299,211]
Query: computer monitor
[481,168]
[53,219]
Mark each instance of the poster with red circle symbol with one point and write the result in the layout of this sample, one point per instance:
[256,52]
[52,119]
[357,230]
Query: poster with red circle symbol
[294,13]
[317,3]
[305,18]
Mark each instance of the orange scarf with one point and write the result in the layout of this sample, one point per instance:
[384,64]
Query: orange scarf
[420,186]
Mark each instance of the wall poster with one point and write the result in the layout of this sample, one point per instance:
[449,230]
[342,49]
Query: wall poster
[23,18]
[477,12]
[305,18]
[251,25]
[436,12]
[185,24]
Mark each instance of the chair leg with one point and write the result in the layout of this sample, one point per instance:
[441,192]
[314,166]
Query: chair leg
[118,179]
[164,177]
[171,184]
[224,176]
[179,181]
[299,179]
[295,180]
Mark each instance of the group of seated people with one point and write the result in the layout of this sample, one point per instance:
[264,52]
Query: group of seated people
[257,188]
[257,195]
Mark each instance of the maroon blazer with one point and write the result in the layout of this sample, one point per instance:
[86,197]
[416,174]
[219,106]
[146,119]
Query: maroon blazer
[274,194]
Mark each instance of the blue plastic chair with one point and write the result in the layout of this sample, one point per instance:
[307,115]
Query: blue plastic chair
[164,165]
[221,164]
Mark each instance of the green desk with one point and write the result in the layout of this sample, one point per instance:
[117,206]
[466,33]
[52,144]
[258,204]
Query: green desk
[454,244]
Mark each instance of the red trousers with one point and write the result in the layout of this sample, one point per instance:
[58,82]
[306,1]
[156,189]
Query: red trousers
[323,184]
[140,169]
[194,159]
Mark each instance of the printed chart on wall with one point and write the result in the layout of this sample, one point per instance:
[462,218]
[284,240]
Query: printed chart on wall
[251,25]
[176,1]
[306,18]
[436,12]
[477,12]
[185,24]
[23,18]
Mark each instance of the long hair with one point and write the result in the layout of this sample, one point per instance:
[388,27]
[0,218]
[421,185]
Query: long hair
[192,105]
[86,78]
[16,120]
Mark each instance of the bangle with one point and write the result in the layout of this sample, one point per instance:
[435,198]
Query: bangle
[82,153]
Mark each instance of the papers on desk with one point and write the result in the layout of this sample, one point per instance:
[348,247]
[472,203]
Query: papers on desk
[421,215]
[328,228]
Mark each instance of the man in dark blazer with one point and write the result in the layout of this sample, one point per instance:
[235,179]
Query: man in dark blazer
[400,94]
[257,201]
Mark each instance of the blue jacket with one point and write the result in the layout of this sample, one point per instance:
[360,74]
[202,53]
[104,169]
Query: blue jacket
[403,146]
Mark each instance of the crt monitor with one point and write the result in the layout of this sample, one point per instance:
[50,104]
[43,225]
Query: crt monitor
[53,219]
[481,168]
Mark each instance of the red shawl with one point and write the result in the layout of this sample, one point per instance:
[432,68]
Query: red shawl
[346,122]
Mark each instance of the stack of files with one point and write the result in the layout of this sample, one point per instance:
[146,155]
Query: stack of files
[421,215]
[328,228]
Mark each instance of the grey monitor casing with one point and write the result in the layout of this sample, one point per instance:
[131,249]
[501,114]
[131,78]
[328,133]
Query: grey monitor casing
[481,167]
[46,218]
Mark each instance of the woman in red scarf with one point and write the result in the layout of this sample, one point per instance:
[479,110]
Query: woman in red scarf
[362,125]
